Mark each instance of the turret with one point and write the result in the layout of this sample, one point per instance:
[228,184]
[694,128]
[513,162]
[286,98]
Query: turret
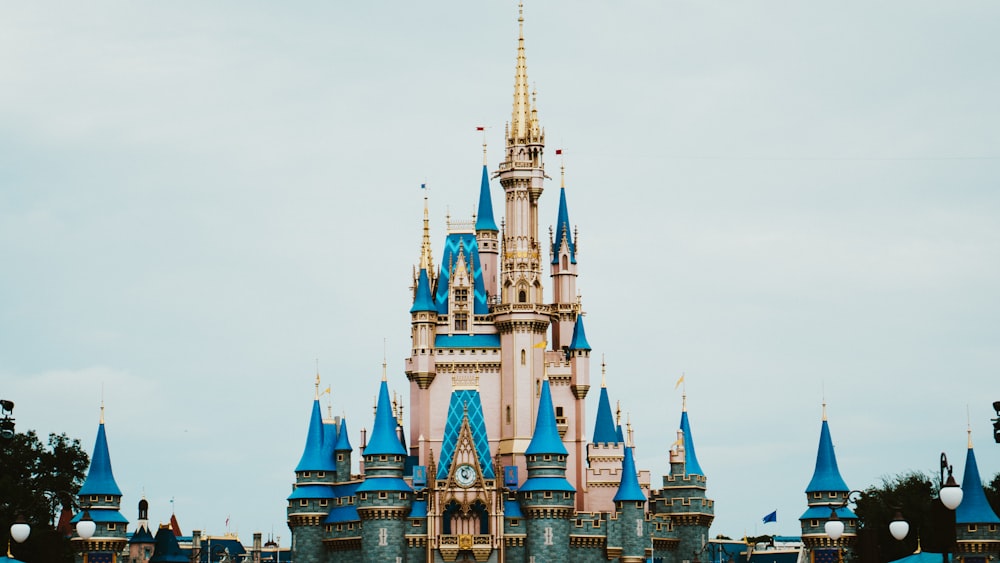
[342,450]
[308,504]
[420,366]
[383,498]
[683,497]
[101,499]
[628,535]
[547,498]
[487,234]
[976,524]
[826,488]
[564,274]
[166,548]
[605,455]
[140,545]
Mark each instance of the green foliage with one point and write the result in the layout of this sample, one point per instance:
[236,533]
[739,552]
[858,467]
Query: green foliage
[992,490]
[37,482]
[914,495]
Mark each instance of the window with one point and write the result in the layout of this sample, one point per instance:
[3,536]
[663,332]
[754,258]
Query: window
[817,495]
[383,495]
[524,357]
[321,474]
[109,498]
[362,496]
[514,523]
[402,496]
[559,412]
[307,474]
[546,457]
[328,527]
[350,526]
[565,262]
[522,296]
[340,457]
[111,526]
[303,502]
[566,494]
[832,494]
[340,502]
[508,414]
[93,498]
[813,523]
[340,527]
[383,458]
[461,321]
[972,528]
[323,502]
[461,295]
[546,494]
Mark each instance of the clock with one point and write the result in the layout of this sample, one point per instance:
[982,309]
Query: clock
[465,475]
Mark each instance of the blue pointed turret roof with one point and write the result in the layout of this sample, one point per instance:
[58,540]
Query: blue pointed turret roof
[313,458]
[343,441]
[100,478]
[167,549]
[621,435]
[579,341]
[604,429]
[484,218]
[465,402]
[384,440]
[974,509]
[629,489]
[826,477]
[545,439]
[142,535]
[423,300]
[329,439]
[691,465]
[463,243]
[563,231]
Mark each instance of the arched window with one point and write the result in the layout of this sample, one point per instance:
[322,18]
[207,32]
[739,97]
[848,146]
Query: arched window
[522,296]
[524,357]
[508,414]
[565,262]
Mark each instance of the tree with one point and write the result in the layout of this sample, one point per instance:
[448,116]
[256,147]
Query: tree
[914,495]
[37,481]
[992,490]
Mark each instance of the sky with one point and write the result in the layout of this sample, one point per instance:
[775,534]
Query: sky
[787,202]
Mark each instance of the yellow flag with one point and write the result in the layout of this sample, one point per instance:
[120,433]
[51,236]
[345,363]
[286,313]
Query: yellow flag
[325,391]
[679,381]
[541,344]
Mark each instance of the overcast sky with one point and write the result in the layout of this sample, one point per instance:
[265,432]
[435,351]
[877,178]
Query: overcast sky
[780,199]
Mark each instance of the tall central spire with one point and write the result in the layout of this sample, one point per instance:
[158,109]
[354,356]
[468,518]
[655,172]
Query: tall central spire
[523,128]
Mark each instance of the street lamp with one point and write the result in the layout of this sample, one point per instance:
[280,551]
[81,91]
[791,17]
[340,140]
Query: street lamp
[20,530]
[950,495]
[834,526]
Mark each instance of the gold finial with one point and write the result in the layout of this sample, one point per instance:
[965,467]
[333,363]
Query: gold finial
[824,410]
[604,375]
[684,401]
[384,346]
[484,144]
[968,423]
[102,411]
[426,258]
[562,169]
[628,431]
[618,413]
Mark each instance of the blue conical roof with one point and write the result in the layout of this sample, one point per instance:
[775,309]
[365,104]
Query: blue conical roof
[313,458]
[974,509]
[621,435]
[329,439]
[579,341]
[604,428]
[141,535]
[563,231]
[691,465]
[484,219]
[343,441]
[629,489]
[423,300]
[826,477]
[100,478]
[166,549]
[545,439]
[384,440]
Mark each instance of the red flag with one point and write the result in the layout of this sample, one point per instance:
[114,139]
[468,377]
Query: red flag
[480,128]
[558,151]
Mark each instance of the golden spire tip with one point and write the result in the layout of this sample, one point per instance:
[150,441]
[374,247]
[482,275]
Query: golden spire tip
[604,375]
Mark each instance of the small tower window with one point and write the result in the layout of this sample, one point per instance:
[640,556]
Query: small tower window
[461,295]
[524,357]
[565,262]
[461,321]
[508,414]
[522,296]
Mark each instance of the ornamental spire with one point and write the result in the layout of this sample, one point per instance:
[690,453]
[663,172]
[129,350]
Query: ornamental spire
[524,118]
[426,259]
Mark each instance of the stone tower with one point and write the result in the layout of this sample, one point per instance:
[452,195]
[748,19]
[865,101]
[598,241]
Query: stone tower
[101,499]
[976,525]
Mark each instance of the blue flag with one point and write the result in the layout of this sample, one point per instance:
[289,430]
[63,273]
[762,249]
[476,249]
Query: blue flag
[772,517]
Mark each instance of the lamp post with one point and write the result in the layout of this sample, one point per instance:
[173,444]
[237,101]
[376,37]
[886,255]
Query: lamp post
[834,526]
[950,496]
[20,530]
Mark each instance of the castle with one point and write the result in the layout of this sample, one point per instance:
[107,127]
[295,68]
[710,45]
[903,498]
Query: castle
[499,463]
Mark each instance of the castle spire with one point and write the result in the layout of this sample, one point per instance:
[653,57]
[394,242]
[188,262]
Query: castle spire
[974,508]
[519,121]
[691,465]
[384,440]
[100,478]
[629,489]
[426,258]
[313,458]
[484,217]
[826,477]
[545,439]
[604,427]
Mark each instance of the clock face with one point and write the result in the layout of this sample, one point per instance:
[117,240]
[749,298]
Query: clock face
[465,475]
